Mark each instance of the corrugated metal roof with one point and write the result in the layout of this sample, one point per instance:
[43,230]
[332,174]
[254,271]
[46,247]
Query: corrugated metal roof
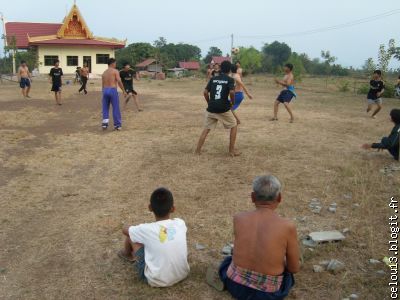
[189,65]
[146,63]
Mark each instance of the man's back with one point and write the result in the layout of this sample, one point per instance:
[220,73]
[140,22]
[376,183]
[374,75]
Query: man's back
[263,241]
[219,88]
[109,78]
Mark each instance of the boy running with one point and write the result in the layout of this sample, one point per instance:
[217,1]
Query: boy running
[159,248]
[240,89]
[217,93]
[127,75]
[110,81]
[287,94]
[377,87]
[24,79]
[55,75]
[84,74]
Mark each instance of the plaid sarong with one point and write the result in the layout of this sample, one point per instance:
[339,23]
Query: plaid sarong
[254,280]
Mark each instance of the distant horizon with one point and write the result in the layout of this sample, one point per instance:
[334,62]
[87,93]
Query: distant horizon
[352,45]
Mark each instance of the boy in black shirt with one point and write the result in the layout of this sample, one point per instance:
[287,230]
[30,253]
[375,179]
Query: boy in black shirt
[217,94]
[375,93]
[390,143]
[127,75]
[56,74]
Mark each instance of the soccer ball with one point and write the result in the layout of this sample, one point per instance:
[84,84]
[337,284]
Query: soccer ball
[235,50]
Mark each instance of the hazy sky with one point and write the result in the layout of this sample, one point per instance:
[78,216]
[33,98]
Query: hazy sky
[209,23]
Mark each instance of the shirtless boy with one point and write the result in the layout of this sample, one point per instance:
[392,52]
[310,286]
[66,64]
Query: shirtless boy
[84,73]
[110,81]
[24,79]
[287,94]
[266,252]
[239,69]
[240,89]
[127,75]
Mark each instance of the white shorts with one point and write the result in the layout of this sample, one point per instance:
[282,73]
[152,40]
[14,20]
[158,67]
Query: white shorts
[376,101]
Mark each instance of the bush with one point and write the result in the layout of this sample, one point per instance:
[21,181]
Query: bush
[363,89]
[344,86]
[388,93]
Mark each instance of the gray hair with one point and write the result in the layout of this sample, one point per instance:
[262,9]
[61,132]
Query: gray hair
[266,188]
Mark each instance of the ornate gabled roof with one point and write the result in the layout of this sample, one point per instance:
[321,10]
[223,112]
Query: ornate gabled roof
[74,26]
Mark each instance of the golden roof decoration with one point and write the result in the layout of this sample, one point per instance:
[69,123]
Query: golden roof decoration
[74,26]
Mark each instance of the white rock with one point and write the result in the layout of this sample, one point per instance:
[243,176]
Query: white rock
[318,269]
[335,266]
[200,246]
[374,261]
[353,296]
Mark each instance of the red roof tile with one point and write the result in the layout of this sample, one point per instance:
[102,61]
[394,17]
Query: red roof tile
[21,30]
[189,65]
[220,59]
[78,42]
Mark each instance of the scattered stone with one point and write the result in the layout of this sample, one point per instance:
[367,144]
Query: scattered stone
[346,230]
[380,272]
[353,296]
[348,196]
[227,249]
[309,242]
[335,266]
[374,261]
[318,269]
[315,205]
[326,236]
[324,263]
[200,246]
[356,205]
[332,209]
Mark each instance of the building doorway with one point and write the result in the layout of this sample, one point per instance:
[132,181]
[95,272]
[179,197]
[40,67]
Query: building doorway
[88,61]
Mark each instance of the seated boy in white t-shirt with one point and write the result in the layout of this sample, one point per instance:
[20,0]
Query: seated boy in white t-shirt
[159,249]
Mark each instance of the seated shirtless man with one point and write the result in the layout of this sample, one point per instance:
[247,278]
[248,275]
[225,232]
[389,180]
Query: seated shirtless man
[110,80]
[266,252]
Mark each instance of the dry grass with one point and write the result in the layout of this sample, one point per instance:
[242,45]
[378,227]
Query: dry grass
[66,188]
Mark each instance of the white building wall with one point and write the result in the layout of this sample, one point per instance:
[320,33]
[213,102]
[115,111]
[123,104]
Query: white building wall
[63,51]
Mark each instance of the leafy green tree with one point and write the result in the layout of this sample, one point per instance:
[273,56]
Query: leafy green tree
[327,57]
[134,53]
[214,51]
[369,66]
[250,59]
[385,55]
[277,52]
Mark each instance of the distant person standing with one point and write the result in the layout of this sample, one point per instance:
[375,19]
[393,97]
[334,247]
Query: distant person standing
[110,81]
[127,75]
[286,96]
[24,79]
[84,74]
[217,93]
[377,88]
[55,75]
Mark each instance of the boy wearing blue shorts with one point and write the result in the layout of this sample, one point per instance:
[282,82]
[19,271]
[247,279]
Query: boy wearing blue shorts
[286,95]
[159,249]
[24,79]
[240,89]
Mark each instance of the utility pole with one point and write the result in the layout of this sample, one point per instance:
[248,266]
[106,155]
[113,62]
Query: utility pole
[231,47]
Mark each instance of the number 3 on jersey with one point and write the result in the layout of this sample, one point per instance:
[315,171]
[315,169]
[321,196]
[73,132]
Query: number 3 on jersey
[218,92]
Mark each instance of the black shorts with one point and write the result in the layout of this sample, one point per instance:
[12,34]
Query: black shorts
[130,91]
[56,87]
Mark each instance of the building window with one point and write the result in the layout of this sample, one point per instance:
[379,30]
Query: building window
[72,60]
[102,58]
[50,60]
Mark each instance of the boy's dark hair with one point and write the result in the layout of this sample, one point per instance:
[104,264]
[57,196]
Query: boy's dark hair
[23,62]
[395,115]
[378,72]
[289,66]
[111,61]
[125,64]
[226,67]
[57,61]
[237,62]
[161,202]
[234,69]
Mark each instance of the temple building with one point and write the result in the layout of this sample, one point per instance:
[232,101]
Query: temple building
[71,42]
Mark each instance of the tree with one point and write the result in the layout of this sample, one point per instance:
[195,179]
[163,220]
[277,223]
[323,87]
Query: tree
[385,55]
[214,51]
[161,42]
[329,59]
[369,66]
[250,59]
[134,53]
[277,52]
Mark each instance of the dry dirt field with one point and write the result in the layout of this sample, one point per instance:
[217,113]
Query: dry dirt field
[67,188]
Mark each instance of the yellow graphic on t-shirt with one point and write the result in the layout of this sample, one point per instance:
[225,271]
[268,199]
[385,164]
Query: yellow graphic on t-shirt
[166,234]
